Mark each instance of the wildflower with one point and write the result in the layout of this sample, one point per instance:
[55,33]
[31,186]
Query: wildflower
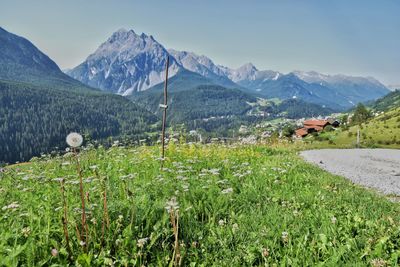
[141,242]
[74,140]
[285,237]
[227,191]
[235,227]
[185,187]
[12,206]
[378,263]
[221,222]
[116,143]
[265,252]
[26,231]
[214,171]
[333,220]
[54,252]
[82,243]
[93,167]
[172,205]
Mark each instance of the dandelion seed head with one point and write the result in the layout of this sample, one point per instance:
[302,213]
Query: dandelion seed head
[172,205]
[74,140]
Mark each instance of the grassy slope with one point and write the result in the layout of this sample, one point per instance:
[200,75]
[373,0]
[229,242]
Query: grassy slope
[381,131]
[274,191]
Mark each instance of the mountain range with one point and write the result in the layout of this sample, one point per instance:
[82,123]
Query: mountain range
[128,63]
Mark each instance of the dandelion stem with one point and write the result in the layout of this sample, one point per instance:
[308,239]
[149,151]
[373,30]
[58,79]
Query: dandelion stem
[84,229]
[65,219]
[174,217]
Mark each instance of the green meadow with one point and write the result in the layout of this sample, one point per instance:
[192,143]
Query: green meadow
[209,205]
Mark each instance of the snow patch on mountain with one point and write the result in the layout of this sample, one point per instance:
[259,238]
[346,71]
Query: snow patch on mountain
[126,63]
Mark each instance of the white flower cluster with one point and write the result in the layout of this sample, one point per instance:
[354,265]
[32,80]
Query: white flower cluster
[12,206]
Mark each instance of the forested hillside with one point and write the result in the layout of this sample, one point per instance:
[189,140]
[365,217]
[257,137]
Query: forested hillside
[35,119]
[390,101]
[202,102]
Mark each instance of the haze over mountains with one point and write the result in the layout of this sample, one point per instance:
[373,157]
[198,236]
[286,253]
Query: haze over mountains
[128,63]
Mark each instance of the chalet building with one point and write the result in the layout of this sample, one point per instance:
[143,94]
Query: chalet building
[310,126]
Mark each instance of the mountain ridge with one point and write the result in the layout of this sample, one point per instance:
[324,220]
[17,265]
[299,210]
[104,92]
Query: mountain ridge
[132,74]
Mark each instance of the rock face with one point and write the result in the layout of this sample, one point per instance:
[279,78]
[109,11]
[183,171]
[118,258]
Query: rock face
[126,63]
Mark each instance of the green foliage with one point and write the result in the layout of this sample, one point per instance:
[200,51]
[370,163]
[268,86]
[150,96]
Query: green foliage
[36,119]
[361,114]
[329,128]
[288,131]
[238,206]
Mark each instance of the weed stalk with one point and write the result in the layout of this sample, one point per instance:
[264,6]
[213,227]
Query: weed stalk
[65,218]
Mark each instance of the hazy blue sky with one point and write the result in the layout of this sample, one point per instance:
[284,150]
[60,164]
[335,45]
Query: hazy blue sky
[357,37]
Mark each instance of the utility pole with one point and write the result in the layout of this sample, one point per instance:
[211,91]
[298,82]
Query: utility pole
[164,106]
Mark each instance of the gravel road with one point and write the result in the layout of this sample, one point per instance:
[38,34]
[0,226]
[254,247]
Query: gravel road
[374,168]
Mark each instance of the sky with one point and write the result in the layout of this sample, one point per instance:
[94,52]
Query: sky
[357,37]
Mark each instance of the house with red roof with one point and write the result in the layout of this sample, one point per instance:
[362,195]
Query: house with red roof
[313,125]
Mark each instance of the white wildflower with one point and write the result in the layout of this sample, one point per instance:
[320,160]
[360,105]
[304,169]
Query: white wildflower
[227,191]
[378,262]
[285,237]
[185,187]
[333,220]
[74,140]
[221,222]
[235,227]
[141,242]
[26,231]
[11,206]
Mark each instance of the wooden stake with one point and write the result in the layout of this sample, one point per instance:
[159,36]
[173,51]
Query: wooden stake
[164,106]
